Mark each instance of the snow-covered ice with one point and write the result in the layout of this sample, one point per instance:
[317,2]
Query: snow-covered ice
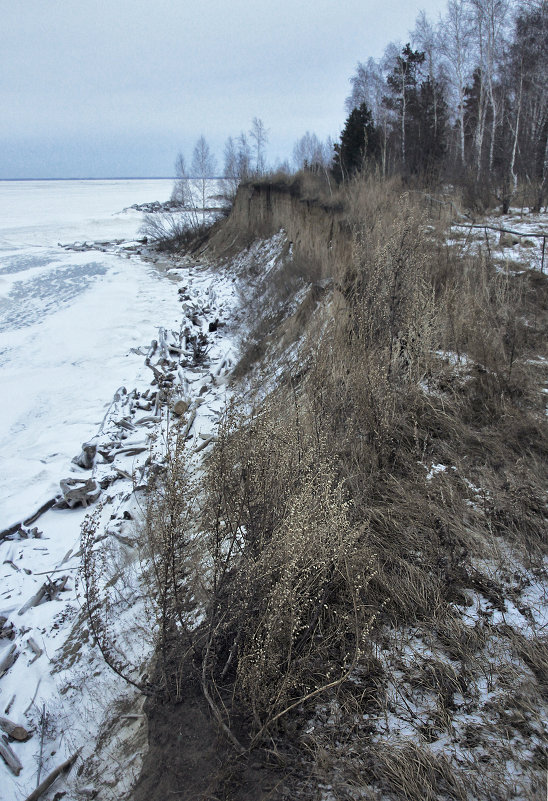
[74,327]
[68,322]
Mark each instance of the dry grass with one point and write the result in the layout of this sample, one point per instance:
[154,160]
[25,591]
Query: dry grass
[352,592]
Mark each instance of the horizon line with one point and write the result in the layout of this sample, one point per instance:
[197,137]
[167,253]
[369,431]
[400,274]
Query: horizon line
[100,178]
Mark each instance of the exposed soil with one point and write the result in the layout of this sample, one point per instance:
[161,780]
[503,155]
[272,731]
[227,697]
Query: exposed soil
[189,760]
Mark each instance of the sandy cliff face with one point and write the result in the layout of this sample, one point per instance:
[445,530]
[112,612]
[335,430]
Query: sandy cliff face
[318,231]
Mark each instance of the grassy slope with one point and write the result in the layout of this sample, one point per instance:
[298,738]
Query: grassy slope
[374,523]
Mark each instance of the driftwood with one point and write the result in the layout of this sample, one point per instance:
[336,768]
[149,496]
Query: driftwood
[9,757]
[13,730]
[86,458]
[47,592]
[8,660]
[162,344]
[151,351]
[78,490]
[7,532]
[48,781]
[145,405]
[123,473]
[132,450]
[9,705]
[158,374]
[123,423]
[35,648]
[188,425]
[205,443]
[180,406]
[150,418]
[7,632]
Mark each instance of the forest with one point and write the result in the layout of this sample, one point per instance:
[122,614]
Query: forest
[464,102]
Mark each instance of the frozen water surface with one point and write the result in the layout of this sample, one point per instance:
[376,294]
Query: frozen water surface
[68,321]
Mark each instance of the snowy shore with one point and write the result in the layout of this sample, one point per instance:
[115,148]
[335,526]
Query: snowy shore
[74,346]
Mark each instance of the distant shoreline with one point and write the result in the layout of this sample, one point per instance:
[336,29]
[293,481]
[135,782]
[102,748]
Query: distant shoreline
[115,178]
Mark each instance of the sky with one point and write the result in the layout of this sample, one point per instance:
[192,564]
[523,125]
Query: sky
[116,88]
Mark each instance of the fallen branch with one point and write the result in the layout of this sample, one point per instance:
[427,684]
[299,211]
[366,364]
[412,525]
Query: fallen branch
[35,648]
[9,757]
[188,426]
[48,781]
[33,699]
[7,532]
[204,444]
[48,591]
[8,660]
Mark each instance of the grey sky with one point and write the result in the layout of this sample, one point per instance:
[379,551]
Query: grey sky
[93,88]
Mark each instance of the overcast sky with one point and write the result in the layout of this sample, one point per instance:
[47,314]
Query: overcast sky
[112,88]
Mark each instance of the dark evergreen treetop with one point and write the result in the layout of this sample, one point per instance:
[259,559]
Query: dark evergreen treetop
[359,143]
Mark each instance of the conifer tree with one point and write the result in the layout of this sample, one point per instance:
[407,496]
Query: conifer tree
[359,143]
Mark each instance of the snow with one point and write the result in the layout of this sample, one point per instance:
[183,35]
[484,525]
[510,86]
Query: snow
[526,253]
[67,323]
[74,328]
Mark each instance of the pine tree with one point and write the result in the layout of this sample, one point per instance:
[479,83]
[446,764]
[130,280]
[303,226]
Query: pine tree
[359,143]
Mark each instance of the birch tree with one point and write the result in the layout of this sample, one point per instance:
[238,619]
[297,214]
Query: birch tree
[203,167]
[259,135]
[455,45]
[490,19]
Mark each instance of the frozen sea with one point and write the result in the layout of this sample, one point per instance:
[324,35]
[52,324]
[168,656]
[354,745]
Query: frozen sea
[68,322]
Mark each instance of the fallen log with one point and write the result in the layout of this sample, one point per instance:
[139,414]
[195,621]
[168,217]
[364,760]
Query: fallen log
[13,730]
[7,532]
[77,490]
[132,450]
[8,660]
[48,781]
[9,757]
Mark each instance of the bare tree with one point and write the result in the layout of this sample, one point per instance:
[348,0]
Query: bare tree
[455,43]
[259,135]
[182,191]
[310,152]
[237,167]
[203,167]
[490,19]
[426,38]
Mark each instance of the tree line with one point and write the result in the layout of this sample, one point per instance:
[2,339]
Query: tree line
[465,100]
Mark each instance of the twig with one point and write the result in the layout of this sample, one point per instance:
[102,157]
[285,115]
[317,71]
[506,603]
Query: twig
[40,756]
[10,704]
[33,697]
